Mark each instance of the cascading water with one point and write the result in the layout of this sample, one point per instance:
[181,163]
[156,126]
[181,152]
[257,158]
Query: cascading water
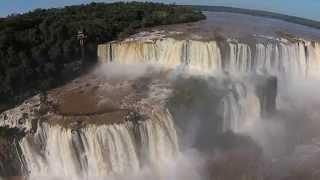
[165,52]
[93,151]
[241,107]
[285,59]
[113,149]
[203,56]
[100,150]
[239,58]
[159,138]
[280,58]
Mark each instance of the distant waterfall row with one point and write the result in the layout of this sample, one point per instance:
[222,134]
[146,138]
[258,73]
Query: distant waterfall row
[100,150]
[298,58]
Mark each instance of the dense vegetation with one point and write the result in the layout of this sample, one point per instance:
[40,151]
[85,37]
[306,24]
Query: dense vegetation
[292,19]
[36,46]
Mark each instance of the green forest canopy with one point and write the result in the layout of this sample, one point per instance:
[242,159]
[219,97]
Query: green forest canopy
[36,46]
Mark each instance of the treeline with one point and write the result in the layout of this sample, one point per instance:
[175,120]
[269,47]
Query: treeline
[36,46]
[292,19]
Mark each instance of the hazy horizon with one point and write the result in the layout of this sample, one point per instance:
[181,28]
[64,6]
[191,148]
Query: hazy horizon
[307,9]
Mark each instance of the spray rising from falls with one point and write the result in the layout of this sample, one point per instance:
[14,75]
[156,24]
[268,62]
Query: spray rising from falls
[100,150]
[282,59]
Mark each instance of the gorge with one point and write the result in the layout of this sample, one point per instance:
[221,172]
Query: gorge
[178,104]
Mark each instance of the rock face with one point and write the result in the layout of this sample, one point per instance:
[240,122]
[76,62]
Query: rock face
[268,95]
[21,116]
[10,160]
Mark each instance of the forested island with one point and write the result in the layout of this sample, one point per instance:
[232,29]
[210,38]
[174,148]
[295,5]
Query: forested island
[36,47]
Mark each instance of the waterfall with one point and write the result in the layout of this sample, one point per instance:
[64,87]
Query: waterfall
[100,150]
[204,56]
[167,52]
[239,58]
[313,54]
[240,108]
[108,150]
[160,138]
[280,58]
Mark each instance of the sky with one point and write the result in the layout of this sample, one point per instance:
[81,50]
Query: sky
[303,8]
